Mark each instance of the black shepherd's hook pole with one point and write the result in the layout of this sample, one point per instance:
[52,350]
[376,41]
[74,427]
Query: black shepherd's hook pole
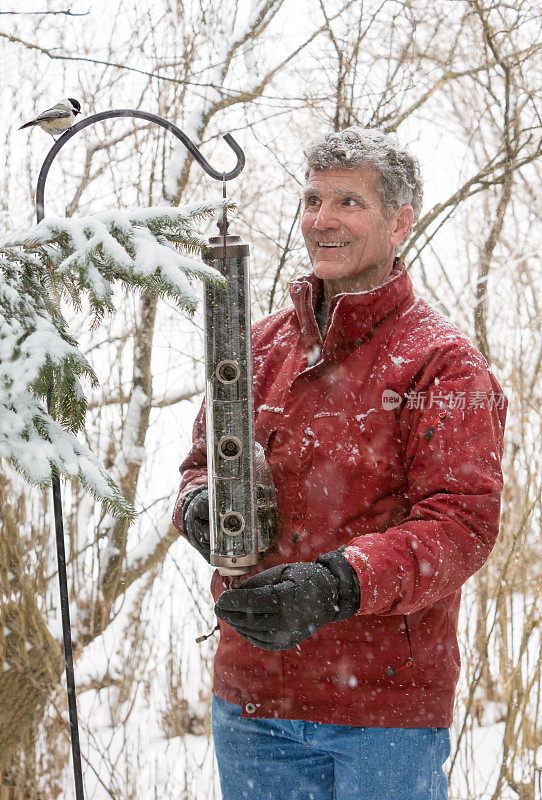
[218,175]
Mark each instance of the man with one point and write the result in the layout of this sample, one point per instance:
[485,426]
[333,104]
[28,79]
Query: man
[382,424]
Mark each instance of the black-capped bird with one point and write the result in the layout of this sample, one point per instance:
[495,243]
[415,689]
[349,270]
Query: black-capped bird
[57,119]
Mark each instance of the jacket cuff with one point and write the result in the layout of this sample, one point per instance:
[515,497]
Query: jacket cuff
[348,587]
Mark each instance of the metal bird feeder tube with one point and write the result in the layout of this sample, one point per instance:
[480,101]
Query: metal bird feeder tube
[234,533]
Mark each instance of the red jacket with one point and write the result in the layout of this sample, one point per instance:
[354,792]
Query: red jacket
[343,426]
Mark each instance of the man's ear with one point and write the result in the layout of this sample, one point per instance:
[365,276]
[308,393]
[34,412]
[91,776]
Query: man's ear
[403,223]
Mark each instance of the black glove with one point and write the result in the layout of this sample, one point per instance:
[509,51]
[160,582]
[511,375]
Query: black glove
[280,607]
[195,512]
[195,520]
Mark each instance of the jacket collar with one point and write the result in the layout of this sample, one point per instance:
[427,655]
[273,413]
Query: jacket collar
[351,316]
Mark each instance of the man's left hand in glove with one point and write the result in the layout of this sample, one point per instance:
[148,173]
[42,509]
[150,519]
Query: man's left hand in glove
[280,607]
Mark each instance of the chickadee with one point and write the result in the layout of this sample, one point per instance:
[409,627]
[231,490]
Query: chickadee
[57,119]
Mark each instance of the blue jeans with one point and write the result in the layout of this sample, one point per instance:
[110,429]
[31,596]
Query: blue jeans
[286,759]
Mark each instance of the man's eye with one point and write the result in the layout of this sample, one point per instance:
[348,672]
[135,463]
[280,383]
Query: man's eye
[350,201]
[312,201]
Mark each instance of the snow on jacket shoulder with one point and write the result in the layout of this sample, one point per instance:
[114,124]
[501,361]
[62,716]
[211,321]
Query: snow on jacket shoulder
[346,421]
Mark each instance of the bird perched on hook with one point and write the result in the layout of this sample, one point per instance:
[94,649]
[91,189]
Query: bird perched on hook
[58,118]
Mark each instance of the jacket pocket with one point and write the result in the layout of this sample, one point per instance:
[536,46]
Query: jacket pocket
[384,647]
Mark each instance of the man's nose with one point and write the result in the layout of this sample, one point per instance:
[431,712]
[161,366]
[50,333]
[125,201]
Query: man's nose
[326,218]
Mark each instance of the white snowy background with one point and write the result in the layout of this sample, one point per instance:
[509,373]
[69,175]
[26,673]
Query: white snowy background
[129,746]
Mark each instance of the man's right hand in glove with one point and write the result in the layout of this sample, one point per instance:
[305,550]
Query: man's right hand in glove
[195,521]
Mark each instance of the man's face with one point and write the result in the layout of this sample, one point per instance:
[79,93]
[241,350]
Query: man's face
[350,239]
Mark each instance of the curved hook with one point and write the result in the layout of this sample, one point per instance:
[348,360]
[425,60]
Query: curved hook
[128,112]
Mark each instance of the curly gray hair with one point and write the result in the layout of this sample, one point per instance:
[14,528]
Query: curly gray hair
[400,181]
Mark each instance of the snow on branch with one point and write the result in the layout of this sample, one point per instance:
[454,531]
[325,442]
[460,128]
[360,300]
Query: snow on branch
[151,249]
[86,255]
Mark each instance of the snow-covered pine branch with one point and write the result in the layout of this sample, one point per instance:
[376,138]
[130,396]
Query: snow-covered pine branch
[86,255]
[149,249]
